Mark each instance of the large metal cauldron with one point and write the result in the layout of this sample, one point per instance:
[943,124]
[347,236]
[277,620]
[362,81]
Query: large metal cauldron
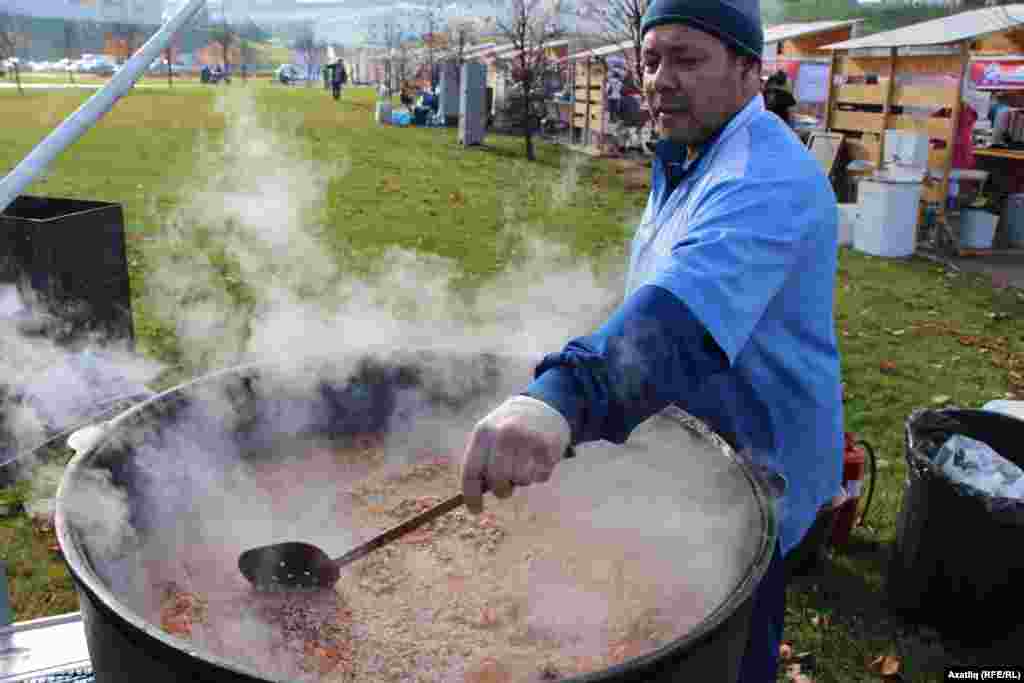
[366,397]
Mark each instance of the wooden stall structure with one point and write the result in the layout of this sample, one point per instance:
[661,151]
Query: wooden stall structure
[793,48]
[913,79]
[497,56]
[799,51]
[588,73]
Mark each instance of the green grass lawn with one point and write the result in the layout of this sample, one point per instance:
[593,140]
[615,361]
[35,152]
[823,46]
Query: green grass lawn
[911,335]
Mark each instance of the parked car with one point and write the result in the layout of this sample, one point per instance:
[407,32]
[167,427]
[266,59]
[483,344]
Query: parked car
[97,65]
[290,73]
[160,67]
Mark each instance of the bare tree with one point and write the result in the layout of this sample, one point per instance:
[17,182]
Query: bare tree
[71,37]
[433,39]
[127,37]
[390,39]
[250,34]
[528,27]
[405,62]
[10,39]
[461,34]
[307,46]
[619,22]
[224,36]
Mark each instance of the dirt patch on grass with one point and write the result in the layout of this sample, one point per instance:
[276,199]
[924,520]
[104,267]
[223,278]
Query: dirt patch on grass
[636,173]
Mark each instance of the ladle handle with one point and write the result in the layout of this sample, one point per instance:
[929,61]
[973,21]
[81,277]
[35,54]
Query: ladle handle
[410,524]
[400,530]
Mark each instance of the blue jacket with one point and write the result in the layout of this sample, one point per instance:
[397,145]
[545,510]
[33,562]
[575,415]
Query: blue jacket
[728,314]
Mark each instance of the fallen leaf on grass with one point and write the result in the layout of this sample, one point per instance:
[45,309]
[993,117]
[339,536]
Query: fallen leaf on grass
[457,199]
[887,366]
[886,665]
[795,675]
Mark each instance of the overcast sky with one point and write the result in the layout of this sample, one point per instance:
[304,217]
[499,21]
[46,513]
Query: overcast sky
[346,21]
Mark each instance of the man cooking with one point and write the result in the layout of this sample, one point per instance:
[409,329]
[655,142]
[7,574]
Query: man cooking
[728,312]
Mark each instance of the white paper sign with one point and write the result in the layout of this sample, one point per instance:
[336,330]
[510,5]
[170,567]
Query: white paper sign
[812,83]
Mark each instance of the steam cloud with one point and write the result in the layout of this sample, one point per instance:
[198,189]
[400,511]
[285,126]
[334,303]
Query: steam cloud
[242,274]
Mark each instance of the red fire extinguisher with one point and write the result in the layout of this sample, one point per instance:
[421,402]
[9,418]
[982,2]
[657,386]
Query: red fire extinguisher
[855,455]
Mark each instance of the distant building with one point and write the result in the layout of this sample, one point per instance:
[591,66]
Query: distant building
[52,29]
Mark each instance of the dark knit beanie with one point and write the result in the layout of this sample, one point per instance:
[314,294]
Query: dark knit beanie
[735,22]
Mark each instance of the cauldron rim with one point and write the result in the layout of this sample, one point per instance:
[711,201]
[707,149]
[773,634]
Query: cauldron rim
[85,578]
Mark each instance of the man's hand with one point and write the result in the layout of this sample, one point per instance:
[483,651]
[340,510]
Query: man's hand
[518,444]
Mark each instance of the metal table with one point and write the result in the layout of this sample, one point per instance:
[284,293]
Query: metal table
[45,650]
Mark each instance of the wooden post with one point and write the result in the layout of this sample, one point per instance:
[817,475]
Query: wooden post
[829,98]
[886,106]
[587,138]
[572,103]
[957,106]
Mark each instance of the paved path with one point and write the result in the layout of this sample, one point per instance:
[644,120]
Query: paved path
[1006,266]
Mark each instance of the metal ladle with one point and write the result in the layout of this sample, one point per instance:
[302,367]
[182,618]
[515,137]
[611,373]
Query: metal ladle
[294,565]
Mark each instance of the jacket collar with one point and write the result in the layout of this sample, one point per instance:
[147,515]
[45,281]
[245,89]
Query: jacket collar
[671,156]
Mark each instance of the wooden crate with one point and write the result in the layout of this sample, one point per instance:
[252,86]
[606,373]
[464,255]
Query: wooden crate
[924,96]
[861,93]
[865,148]
[855,121]
[596,120]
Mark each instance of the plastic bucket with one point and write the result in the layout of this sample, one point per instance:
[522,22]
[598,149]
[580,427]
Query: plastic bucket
[977,229]
[1015,219]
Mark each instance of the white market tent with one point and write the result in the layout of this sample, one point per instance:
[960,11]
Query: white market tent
[949,30]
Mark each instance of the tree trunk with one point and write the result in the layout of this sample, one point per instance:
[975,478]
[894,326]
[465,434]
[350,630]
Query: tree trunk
[17,77]
[170,74]
[528,122]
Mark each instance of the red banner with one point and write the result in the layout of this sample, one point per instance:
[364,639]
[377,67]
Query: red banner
[996,75]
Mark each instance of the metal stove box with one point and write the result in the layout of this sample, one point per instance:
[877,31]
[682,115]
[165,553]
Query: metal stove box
[71,254]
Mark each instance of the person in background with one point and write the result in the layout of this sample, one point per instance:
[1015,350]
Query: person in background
[614,90]
[338,78]
[327,71]
[406,94]
[728,311]
[777,97]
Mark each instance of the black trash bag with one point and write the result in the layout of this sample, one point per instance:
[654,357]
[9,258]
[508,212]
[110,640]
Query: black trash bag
[958,560]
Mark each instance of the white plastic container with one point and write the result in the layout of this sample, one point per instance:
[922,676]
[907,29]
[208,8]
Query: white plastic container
[906,148]
[1015,219]
[888,213]
[977,229]
[847,223]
